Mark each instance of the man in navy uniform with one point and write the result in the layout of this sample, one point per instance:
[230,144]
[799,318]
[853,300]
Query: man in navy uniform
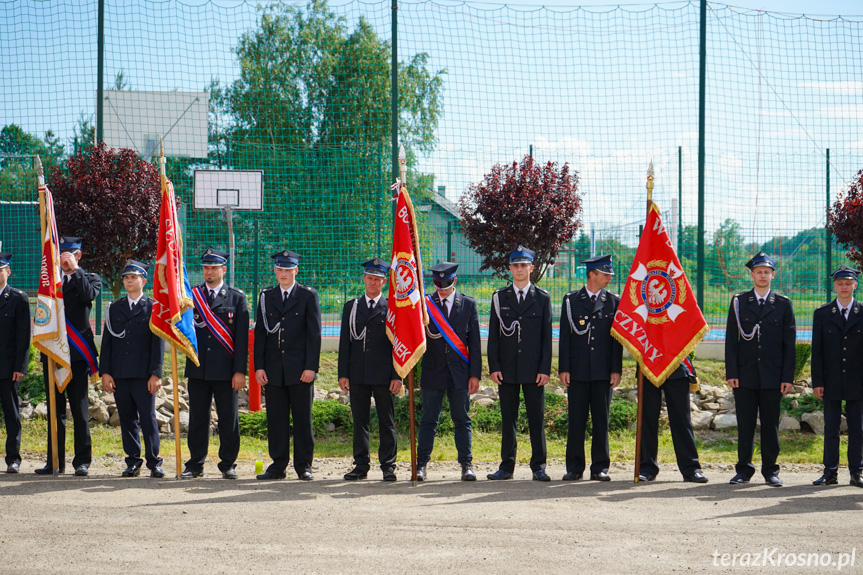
[79,290]
[676,389]
[591,362]
[760,337]
[837,374]
[131,369]
[366,370]
[287,359]
[14,357]
[222,330]
[447,371]
[519,359]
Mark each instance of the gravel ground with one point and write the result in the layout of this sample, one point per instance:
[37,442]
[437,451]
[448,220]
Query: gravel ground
[106,524]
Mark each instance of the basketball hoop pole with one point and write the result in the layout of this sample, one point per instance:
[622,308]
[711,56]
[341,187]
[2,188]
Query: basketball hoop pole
[229,215]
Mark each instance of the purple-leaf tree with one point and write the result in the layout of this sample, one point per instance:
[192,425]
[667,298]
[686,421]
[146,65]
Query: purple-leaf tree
[845,220]
[109,198]
[537,206]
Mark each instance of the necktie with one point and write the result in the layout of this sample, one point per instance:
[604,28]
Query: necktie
[133,307]
[371,304]
[285,296]
[845,314]
[593,298]
[65,281]
[520,297]
[211,297]
[761,304]
[446,307]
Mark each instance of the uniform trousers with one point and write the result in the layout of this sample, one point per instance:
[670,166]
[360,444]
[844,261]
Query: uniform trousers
[534,402]
[676,392]
[832,421]
[361,398]
[134,403]
[79,405]
[595,396]
[9,402]
[201,395]
[295,400]
[459,408]
[750,404]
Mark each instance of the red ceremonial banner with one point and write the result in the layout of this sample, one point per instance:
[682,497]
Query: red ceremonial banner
[658,319]
[406,312]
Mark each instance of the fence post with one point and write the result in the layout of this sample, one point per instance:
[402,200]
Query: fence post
[100,71]
[394,91]
[702,88]
[828,240]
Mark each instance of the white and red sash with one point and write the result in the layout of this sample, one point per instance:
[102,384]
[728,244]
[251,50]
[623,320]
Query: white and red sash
[216,326]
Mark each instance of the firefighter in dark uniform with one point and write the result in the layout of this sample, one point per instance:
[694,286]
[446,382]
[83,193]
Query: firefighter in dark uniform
[837,374]
[676,389]
[219,310]
[287,359]
[131,369]
[591,362]
[760,337]
[519,359]
[366,370]
[14,357]
[79,290]
[446,374]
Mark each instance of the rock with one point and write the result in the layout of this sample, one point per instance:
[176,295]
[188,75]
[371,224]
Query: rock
[843,425]
[159,401]
[108,399]
[702,419]
[99,412]
[725,421]
[632,395]
[331,427]
[485,401]
[26,412]
[41,411]
[815,421]
[788,423]
[344,399]
[320,394]
[184,421]
[719,393]
[711,406]
[162,419]
[795,404]
[333,395]
[115,419]
[797,389]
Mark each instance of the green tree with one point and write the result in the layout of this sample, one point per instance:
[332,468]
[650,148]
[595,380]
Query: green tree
[728,254]
[17,167]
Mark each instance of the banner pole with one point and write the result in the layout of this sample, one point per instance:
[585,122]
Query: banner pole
[638,366]
[178,451]
[52,417]
[412,427]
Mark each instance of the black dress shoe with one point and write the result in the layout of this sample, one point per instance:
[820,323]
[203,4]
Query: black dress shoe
[47,470]
[827,479]
[541,475]
[421,472]
[601,476]
[189,474]
[229,473]
[499,475]
[270,475]
[13,467]
[131,471]
[356,473]
[645,477]
[467,473]
[305,475]
[773,481]
[390,475]
[697,477]
[571,476]
[739,479]
[82,470]
[157,472]
[857,479]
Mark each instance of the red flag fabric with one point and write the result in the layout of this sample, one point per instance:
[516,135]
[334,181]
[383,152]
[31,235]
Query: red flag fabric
[49,322]
[658,319]
[406,312]
[171,318]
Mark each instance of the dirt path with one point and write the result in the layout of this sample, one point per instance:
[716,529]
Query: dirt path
[106,524]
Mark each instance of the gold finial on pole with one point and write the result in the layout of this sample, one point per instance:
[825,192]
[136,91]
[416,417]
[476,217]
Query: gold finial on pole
[161,156]
[650,182]
[403,164]
[40,171]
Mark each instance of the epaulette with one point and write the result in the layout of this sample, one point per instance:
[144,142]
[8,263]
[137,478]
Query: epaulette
[500,290]
[780,296]
[267,289]
[17,291]
[540,289]
[309,288]
[612,294]
[238,290]
[828,304]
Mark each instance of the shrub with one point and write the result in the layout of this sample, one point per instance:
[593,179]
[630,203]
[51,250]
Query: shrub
[33,384]
[802,353]
[805,404]
[622,414]
[254,424]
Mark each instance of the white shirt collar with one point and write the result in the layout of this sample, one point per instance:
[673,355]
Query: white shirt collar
[525,289]
[841,307]
[759,298]
[216,289]
[134,301]
[590,293]
[289,291]
[374,299]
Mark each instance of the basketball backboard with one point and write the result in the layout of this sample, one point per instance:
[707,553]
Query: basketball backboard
[137,120]
[234,189]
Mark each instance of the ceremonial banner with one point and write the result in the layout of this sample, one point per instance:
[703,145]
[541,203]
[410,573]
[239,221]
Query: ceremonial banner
[49,323]
[172,316]
[658,319]
[406,313]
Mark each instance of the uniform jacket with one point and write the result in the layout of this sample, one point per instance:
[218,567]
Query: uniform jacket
[594,355]
[521,357]
[140,352]
[440,358]
[217,363]
[837,351]
[296,345]
[767,360]
[368,361]
[14,332]
[78,296]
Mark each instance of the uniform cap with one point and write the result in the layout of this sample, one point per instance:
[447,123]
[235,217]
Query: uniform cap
[521,254]
[376,267]
[286,260]
[599,263]
[70,244]
[213,257]
[136,267]
[761,259]
[843,272]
